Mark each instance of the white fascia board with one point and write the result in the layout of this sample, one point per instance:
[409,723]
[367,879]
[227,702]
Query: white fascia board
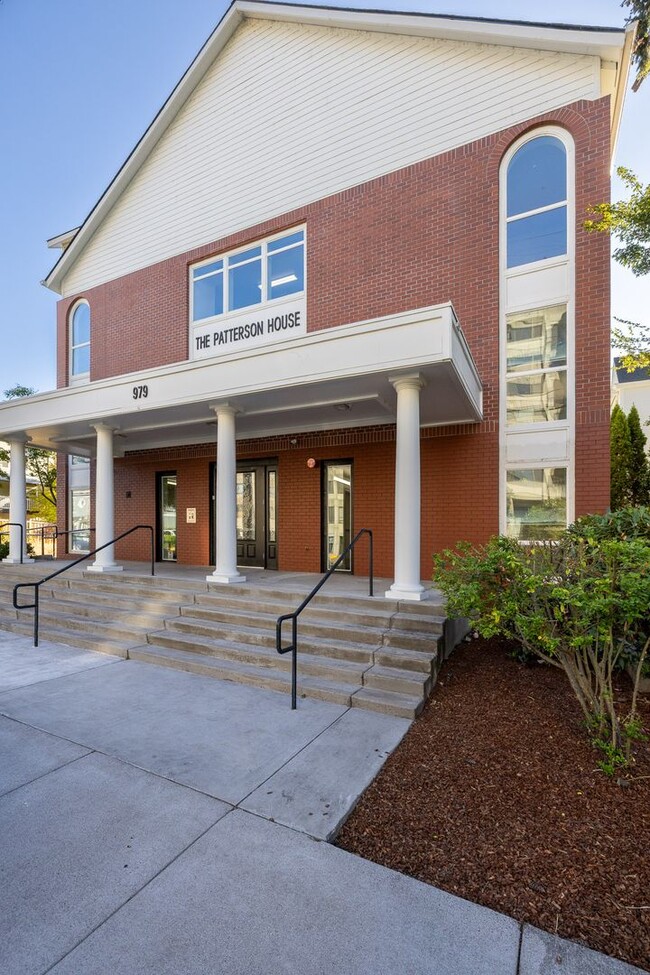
[622,77]
[605,44]
[62,240]
[394,343]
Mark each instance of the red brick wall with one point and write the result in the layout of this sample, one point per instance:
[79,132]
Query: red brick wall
[423,235]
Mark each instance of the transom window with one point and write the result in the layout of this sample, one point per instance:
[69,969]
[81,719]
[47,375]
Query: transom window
[272,269]
[80,341]
[536,365]
[537,201]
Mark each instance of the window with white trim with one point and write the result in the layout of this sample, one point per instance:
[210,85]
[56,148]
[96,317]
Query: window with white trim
[536,365]
[536,503]
[79,326]
[537,335]
[250,276]
[536,212]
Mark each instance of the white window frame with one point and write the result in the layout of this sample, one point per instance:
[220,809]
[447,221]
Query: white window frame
[229,255]
[538,466]
[562,454]
[80,377]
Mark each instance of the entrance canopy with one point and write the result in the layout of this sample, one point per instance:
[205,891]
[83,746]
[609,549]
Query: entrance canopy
[331,379]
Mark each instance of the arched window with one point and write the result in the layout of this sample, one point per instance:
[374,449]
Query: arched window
[80,342]
[536,210]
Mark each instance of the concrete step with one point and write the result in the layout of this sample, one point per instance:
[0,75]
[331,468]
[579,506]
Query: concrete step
[269,678]
[253,636]
[66,637]
[411,683]
[344,671]
[102,612]
[417,622]
[405,659]
[264,622]
[412,640]
[401,705]
[121,603]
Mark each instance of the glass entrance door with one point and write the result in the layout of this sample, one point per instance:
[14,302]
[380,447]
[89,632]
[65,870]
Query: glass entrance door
[337,513]
[256,519]
[167,517]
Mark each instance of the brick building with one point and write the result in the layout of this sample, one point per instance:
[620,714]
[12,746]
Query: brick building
[342,283]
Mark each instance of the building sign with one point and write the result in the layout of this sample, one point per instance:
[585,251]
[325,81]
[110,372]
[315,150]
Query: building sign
[256,327]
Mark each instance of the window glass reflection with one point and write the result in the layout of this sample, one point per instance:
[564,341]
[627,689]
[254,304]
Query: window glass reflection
[536,503]
[538,398]
[536,339]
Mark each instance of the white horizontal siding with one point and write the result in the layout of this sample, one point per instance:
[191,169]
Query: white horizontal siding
[289,114]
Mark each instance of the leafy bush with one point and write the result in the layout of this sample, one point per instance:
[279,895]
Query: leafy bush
[578,604]
[623,524]
[4,549]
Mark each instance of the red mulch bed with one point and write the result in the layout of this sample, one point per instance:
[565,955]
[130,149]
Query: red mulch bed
[494,795]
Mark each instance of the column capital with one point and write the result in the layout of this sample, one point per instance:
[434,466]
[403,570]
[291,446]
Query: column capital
[226,407]
[410,380]
[18,437]
[100,425]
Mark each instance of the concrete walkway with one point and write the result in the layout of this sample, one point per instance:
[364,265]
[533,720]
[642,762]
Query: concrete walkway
[153,821]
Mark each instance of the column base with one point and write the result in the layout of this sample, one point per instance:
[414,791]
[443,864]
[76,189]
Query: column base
[25,561]
[95,567]
[416,594]
[225,578]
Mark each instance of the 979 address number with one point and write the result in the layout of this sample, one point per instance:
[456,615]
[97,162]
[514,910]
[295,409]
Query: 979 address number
[140,392]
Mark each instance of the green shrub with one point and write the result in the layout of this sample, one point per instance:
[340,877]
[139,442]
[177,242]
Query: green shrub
[623,524]
[4,549]
[577,604]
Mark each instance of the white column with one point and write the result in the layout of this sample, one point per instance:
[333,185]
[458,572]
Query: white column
[226,521]
[104,502]
[407,491]
[17,500]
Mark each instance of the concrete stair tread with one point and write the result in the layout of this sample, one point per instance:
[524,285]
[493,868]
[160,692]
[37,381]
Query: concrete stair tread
[236,650]
[319,617]
[69,638]
[225,631]
[387,702]
[313,633]
[308,685]
[122,604]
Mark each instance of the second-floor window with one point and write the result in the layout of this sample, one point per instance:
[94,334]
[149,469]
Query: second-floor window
[537,201]
[80,342]
[271,269]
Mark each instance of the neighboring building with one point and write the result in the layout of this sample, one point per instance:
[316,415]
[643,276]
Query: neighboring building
[350,249]
[632,389]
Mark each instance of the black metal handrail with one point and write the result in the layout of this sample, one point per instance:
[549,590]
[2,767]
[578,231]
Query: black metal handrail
[16,524]
[37,585]
[293,646]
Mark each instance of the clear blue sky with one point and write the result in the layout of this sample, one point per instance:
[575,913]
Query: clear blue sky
[80,80]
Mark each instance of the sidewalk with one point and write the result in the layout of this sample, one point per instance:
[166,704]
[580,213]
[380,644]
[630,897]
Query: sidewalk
[154,821]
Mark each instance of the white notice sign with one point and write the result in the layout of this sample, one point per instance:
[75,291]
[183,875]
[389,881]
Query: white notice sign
[260,326]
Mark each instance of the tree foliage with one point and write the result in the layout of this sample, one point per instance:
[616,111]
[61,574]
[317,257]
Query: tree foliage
[640,12]
[620,459]
[630,468]
[639,467]
[629,221]
[39,463]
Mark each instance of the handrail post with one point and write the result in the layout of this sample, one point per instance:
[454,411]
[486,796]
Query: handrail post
[294,661]
[152,549]
[37,594]
[371,576]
